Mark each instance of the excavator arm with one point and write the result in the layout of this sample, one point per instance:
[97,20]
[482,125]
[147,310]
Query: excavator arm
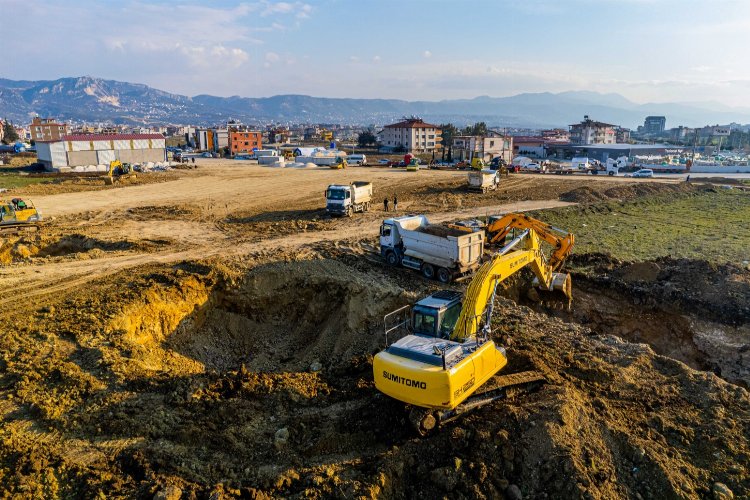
[479,298]
[560,240]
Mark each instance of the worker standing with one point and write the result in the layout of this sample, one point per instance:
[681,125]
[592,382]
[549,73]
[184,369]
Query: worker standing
[395,203]
[385,204]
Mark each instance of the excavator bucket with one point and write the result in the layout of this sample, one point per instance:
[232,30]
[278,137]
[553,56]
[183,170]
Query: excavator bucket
[560,291]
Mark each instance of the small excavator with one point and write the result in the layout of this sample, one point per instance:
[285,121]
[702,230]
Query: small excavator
[118,171]
[18,215]
[340,163]
[447,354]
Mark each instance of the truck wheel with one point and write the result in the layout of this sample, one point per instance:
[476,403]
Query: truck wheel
[444,275]
[349,212]
[428,271]
[391,258]
[367,206]
[611,173]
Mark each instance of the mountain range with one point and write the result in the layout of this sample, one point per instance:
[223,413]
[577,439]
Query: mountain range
[89,99]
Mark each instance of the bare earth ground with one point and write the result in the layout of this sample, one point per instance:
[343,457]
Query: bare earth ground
[157,340]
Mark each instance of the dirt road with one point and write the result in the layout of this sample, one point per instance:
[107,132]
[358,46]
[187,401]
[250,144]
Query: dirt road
[194,241]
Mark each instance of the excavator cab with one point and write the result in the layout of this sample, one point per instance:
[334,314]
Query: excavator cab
[437,314]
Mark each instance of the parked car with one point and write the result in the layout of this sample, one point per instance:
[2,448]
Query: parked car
[206,155]
[384,161]
[534,167]
[644,172]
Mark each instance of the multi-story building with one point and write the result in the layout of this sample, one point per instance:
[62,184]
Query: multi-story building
[592,132]
[492,145]
[622,135]
[556,135]
[412,135]
[654,125]
[47,129]
[244,141]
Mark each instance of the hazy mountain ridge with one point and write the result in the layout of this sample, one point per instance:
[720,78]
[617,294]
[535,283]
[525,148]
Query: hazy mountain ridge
[97,100]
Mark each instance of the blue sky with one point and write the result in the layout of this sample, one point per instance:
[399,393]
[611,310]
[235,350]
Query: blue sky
[646,50]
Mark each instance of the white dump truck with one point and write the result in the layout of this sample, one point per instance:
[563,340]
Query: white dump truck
[345,199]
[436,251]
[483,180]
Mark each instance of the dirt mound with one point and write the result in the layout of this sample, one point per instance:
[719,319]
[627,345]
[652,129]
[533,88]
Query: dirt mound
[692,311]
[597,193]
[16,249]
[22,248]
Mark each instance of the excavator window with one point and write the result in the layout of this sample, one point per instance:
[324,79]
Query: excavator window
[424,323]
[450,317]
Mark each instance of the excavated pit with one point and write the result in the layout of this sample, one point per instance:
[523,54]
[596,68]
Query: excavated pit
[644,303]
[278,317]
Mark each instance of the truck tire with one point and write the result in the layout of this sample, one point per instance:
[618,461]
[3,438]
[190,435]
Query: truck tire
[428,271]
[367,206]
[611,173]
[444,275]
[349,211]
[391,258]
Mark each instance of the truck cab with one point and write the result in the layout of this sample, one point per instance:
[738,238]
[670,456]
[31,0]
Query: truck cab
[338,198]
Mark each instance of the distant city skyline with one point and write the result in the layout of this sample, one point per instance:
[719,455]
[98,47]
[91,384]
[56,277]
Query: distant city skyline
[645,50]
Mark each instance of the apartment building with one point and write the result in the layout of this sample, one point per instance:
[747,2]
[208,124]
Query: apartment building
[412,135]
[592,132]
[244,141]
[487,147]
[47,129]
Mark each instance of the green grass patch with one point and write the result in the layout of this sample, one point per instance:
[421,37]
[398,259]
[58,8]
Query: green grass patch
[714,226]
[10,181]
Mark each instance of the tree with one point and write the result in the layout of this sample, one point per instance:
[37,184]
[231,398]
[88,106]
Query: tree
[448,132]
[9,133]
[479,128]
[366,138]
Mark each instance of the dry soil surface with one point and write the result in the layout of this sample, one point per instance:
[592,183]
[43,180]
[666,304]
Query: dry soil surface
[212,337]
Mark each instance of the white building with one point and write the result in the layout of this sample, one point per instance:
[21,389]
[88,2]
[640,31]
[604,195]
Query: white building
[492,145]
[85,150]
[412,135]
[592,132]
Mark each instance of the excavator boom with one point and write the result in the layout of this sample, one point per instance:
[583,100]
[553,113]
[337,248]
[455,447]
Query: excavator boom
[561,241]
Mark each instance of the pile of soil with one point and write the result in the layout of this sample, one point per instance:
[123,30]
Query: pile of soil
[17,249]
[597,193]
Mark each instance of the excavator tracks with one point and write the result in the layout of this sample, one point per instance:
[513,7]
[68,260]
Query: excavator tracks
[427,420]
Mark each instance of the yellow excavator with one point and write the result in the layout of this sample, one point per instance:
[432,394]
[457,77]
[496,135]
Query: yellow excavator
[340,163]
[118,171]
[447,354]
[18,214]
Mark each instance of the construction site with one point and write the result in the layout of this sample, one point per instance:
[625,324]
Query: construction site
[220,332]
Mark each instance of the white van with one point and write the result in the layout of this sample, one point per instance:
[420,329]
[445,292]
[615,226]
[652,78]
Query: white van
[356,159]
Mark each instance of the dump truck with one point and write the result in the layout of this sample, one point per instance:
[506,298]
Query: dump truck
[345,199]
[483,180]
[436,251]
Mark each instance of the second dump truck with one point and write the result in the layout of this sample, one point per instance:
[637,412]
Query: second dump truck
[483,180]
[345,199]
[435,251]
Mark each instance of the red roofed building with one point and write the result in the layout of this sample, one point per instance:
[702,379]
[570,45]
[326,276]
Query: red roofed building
[47,129]
[412,135]
[94,152]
